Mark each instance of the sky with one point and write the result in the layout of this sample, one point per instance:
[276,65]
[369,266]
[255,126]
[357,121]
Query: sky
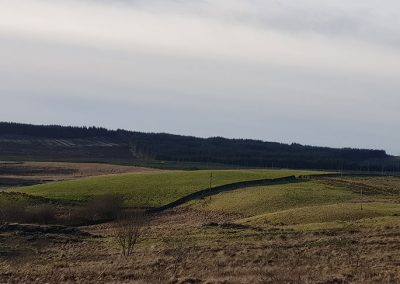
[313,72]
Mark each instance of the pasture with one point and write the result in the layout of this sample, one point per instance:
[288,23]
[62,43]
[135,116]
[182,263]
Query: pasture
[150,189]
[304,231]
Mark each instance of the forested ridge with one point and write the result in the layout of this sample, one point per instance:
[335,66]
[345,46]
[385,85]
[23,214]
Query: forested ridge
[240,152]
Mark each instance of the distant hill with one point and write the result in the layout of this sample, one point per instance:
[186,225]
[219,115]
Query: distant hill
[54,142]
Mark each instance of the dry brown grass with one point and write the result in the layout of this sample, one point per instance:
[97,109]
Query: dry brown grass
[179,247]
[383,185]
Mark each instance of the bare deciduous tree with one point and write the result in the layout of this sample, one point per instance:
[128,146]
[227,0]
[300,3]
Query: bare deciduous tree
[127,232]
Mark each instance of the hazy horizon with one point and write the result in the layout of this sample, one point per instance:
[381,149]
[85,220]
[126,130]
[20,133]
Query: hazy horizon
[310,72]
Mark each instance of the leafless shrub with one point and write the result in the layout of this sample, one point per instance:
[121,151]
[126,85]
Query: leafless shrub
[42,214]
[355,253]
[128,229]
[12,211]
[20,212]
[178,252]
[104,207]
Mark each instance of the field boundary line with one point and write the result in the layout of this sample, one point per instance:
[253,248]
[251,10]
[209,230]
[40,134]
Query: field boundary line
[244,184]
[224,188]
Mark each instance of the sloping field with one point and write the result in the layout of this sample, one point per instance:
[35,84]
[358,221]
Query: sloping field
[342,212]
[15,174]
[304,205]
[151,189]
[299,232]
[387,185]
[60,170]
[266,199]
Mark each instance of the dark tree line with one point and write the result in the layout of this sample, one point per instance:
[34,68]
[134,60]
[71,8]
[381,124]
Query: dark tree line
[240,152]
[54,131]
[245,152]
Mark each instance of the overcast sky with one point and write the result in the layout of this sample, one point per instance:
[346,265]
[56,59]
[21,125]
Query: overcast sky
[308,71]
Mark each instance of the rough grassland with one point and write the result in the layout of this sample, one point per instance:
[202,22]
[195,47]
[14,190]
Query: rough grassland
[265,199]
[345,212]
[150,189]
[312,205]
[304,232]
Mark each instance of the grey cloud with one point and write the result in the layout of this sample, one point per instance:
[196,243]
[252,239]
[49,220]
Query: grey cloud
[370,20]
[321,74]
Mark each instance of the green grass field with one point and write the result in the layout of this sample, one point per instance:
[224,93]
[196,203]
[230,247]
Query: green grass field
[266,199]
[150,189]
[339,212]
[308,205]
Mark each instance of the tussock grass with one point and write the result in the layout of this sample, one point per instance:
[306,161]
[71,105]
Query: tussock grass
[365,224]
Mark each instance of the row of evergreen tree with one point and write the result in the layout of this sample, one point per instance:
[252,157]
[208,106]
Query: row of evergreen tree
[53,131]
[241,152]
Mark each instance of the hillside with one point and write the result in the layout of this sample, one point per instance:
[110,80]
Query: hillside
[59,143]
[150,189]
[314,230]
